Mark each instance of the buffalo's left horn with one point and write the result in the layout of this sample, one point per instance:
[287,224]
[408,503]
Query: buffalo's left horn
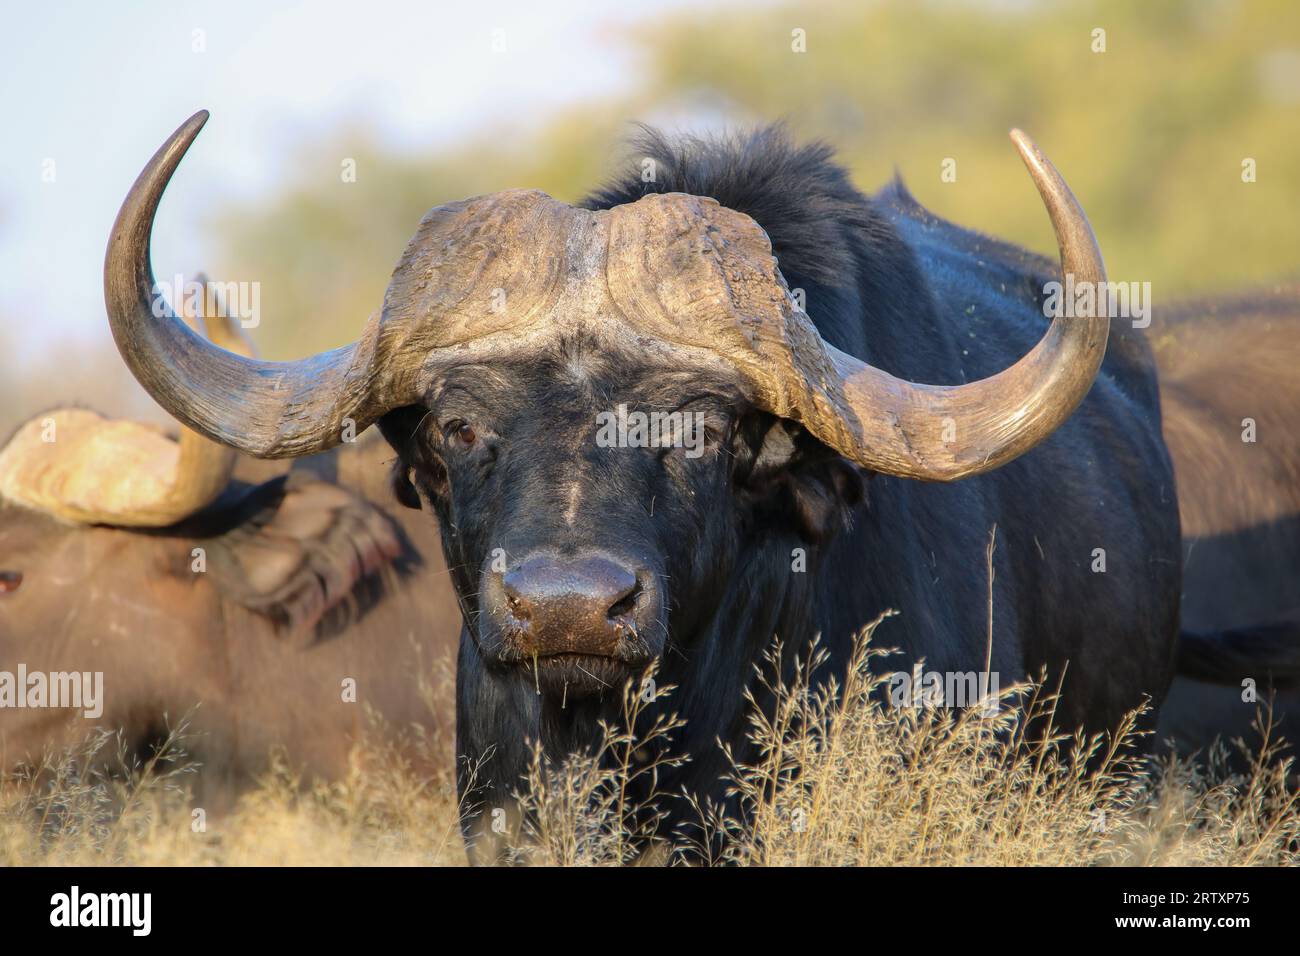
[267,409]
[946,432]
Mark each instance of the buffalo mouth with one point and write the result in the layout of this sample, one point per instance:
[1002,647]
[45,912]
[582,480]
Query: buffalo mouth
[573,676]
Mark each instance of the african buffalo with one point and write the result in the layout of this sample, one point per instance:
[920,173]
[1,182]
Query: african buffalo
[1230,396]
[269,610]
[808,482]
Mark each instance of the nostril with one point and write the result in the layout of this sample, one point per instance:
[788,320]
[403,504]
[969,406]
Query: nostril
[626,604]
[517,607]
[514,584]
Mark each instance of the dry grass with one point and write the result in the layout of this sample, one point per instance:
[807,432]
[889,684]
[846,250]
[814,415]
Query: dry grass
[840,778]
[76,807]
[846,780]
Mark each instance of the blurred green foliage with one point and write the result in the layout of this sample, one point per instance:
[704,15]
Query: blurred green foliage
[1151,133]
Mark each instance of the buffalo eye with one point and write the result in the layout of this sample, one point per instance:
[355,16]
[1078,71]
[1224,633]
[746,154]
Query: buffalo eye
[461,433]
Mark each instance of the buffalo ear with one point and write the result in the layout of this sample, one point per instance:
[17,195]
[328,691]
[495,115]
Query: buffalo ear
[399,429]
[825,496]
[784,468]
[399,479]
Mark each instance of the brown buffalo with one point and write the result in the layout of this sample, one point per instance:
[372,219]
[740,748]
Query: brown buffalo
[247,598]
[1230,373]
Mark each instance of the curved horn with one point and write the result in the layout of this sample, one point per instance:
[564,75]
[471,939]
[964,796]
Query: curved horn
[267,409]
[900,426]
[203,467]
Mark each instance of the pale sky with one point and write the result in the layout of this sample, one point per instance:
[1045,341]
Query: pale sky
[88,90]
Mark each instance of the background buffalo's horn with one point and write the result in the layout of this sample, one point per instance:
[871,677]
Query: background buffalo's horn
[84,469]
[901,426]
[267,409]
